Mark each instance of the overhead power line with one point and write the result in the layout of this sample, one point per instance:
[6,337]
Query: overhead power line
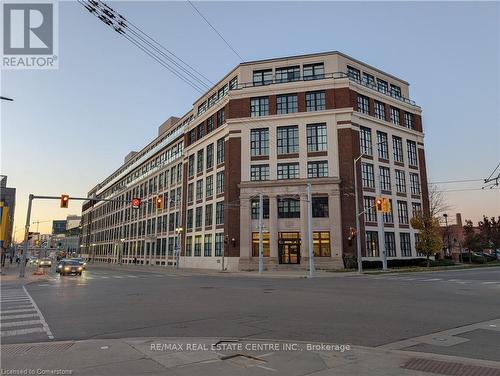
[455,181]
[214,29]
[492,181]
[147,44]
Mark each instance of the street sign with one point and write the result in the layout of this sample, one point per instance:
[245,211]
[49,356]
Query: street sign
[136,203]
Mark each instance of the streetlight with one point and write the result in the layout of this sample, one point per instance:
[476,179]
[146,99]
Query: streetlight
[358,213]
[447,233]
[178,231]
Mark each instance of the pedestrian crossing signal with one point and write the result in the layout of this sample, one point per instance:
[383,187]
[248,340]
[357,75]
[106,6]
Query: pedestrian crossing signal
[64,201]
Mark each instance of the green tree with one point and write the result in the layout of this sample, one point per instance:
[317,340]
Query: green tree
[489,233]
[430,241]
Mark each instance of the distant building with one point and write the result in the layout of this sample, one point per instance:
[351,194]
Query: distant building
[73,221]
[58,227]
[453,236]
[7,207]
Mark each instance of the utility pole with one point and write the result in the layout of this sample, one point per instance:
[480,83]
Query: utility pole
[261,244]
[22,267]
[309,230]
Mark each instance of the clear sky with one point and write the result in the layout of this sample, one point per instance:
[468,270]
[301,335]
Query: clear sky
[69,128]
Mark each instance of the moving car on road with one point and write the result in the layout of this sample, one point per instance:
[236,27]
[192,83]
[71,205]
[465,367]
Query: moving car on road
[82,262]
[45,262]
[69,267]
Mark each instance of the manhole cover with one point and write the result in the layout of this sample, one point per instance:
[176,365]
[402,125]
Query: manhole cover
[449,368]
[40,348]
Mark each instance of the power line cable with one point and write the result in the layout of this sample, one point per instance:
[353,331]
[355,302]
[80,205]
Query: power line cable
[119,24]
[214,29]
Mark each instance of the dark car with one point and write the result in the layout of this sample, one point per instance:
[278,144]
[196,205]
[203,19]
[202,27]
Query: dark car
[69,267]
[82,262]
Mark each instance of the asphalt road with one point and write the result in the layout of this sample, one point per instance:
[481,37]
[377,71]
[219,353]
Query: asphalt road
[370,310]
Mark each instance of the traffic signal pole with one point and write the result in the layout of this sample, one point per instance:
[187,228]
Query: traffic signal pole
[22,267]
[31,197]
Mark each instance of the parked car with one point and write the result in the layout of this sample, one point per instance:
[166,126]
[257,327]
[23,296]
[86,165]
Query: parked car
[70,267]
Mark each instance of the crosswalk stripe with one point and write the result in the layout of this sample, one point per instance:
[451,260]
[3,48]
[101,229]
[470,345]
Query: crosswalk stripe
[21,323]
[17,310]
[14,300]
[24,316]
[19,332]
[20,306]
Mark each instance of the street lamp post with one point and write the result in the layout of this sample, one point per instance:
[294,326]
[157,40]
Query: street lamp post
[447,233]
[178,231]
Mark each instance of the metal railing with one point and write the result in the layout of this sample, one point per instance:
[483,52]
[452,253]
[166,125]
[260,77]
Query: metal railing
[326,76]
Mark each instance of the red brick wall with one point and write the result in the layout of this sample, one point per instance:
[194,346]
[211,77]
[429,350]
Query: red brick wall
[348,140]
[232,163]
[238,108]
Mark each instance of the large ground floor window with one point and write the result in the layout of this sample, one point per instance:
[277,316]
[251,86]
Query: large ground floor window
[255,244]
[321,244]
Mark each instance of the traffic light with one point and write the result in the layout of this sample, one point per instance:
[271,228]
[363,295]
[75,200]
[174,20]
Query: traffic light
[136,203]
[64,201]
[159,202]
[386,205]
[352,233]
[378,205]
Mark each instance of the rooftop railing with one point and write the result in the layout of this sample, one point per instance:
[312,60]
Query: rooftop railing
[327,76]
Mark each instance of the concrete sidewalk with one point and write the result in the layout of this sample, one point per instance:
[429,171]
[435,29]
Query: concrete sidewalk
[229,357]
[200,272]
[10,275]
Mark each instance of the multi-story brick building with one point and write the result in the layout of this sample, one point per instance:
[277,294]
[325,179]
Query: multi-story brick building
[269,128]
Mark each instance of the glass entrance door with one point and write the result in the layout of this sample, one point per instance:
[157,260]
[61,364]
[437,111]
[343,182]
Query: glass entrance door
[289,248]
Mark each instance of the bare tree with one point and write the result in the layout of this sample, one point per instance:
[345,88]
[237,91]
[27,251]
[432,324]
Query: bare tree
[437,202]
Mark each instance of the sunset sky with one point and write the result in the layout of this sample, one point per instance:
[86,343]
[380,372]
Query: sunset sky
[69,128]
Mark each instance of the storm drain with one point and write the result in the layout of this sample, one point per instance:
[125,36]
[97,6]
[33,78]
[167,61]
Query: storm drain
[40,348]
[449,368]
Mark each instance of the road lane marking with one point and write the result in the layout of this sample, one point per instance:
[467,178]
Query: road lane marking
[42,319]
[489,282]
[20,332]
[24,316]
[432,279]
